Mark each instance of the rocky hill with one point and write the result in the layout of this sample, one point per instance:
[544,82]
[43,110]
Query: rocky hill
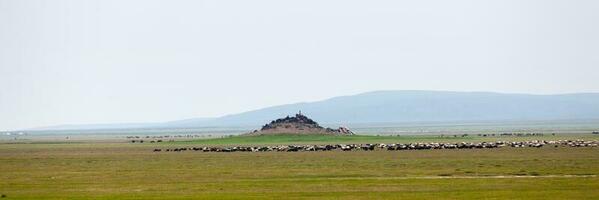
[299,124]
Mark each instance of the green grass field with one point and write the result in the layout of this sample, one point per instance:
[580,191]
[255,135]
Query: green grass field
[133,171]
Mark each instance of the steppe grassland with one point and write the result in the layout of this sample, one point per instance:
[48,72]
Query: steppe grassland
[134,171]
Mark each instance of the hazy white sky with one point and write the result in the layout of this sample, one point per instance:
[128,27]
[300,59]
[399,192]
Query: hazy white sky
[108,61]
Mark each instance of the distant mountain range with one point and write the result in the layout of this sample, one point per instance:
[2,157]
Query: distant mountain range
[402,106]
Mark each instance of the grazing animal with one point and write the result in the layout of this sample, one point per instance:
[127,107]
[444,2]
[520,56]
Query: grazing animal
[393,146]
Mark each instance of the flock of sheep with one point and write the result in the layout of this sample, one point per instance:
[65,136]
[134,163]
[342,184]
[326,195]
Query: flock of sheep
[390,147]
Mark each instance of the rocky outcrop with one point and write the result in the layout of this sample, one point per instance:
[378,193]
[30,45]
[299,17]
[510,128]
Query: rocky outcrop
[299,124]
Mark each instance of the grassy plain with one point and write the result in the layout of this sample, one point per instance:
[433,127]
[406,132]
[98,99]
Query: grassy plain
[133,171]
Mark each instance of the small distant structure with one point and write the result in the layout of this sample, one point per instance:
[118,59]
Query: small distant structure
[298,124]
[595,132]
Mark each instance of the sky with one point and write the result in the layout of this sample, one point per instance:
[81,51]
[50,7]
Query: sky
[122,61]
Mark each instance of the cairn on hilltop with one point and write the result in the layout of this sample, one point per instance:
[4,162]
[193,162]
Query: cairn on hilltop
[299,124]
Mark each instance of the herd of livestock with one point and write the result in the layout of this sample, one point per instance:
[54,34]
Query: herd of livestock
[390,147]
